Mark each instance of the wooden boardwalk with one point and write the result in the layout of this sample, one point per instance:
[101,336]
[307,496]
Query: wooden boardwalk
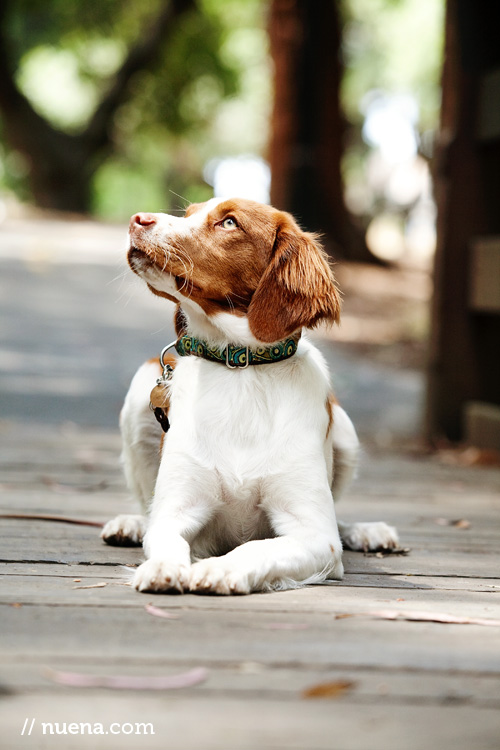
[312,669]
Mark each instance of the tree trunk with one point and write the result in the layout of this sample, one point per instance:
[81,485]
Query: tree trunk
[307,124]
[464,357]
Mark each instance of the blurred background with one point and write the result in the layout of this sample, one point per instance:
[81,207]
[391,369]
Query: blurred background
[375,122]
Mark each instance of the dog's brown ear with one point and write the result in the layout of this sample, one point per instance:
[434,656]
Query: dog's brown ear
[297,289]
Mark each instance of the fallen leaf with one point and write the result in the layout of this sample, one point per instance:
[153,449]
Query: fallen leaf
[77,580]
[119,682]
[157,612]
[16,605]
[92,586]
[328,689]
[389,614]
[459,523]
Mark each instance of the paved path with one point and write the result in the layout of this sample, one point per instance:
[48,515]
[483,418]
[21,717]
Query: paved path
[75,324]
[311,669]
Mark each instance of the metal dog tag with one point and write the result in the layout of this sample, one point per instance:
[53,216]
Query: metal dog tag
[159,399]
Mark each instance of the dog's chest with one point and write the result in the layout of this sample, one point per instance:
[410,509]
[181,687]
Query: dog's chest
[238,519]
[228,420]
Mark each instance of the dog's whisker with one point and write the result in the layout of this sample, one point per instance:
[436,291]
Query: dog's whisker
[186,200]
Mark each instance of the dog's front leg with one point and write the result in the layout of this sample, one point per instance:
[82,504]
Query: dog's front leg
[307,546]
[184,500]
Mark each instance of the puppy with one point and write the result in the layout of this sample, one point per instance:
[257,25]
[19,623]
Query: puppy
[240,494]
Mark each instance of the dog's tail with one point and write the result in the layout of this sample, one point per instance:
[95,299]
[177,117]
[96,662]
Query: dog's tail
[345,452]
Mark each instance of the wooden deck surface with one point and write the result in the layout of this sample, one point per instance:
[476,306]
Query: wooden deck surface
[72,332]
[376,683]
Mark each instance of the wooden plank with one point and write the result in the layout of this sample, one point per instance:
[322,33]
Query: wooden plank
[185,722]
[265,649]
[214,636]
[331,599]
[488,116]
[358,580]
[482,423]
[93,506]
[484,290]
[253,679]
[454,553]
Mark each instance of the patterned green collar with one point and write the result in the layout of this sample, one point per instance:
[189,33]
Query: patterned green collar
[237,357]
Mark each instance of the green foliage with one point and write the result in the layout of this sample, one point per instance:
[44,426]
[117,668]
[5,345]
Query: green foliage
[209,92]
[66,53]
[395,46]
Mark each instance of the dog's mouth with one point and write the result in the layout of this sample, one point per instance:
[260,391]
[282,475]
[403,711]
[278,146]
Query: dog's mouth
[139,260]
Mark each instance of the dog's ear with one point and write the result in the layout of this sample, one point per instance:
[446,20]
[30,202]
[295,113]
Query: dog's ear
[297,289]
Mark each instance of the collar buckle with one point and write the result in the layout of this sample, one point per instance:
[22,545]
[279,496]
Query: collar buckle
[238,367]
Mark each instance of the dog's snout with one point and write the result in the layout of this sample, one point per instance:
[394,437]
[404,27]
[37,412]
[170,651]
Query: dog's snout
[143,220]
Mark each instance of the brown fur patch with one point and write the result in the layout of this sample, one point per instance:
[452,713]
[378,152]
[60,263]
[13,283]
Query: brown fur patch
[330,403]
[154,361]
[297,289]
[162,294]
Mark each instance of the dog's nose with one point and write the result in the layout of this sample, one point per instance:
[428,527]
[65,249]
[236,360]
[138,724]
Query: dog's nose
[144,220]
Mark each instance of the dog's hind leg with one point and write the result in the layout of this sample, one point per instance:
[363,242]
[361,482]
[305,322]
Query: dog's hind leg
[141,439]
[345,446]
[356,536]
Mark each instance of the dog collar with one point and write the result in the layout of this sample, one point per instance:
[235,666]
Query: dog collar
[236,357]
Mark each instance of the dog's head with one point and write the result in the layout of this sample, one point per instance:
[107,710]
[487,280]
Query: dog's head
[236,258]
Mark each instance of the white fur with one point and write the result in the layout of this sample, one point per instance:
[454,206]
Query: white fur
[242,496]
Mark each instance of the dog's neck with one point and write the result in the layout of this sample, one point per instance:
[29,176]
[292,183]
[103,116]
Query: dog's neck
[221,329]
[237,357]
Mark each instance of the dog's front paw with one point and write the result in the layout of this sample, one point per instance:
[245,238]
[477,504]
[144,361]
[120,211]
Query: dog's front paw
[124,531]
[212,576]
[369,537]
[161,576]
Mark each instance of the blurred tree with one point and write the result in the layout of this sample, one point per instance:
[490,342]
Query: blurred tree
[308,125]
[330,57]
[115,47]
[463,399]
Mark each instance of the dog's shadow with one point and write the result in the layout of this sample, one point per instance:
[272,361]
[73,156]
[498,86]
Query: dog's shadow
[362,569]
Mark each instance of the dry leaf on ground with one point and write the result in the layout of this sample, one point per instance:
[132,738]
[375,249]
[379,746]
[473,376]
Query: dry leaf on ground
[99,585]
[121,682]
[458,523]
[157,612]
[440,617]
[332,689]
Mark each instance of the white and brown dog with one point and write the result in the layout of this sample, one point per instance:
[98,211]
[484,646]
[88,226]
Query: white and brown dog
[239,495]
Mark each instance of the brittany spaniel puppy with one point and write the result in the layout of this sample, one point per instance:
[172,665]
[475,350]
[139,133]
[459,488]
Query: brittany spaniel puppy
[239,488]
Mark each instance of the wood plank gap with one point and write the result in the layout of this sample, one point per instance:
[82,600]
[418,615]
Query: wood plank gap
[268,666]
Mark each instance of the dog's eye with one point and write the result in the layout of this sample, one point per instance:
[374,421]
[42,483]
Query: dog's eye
[229,223]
